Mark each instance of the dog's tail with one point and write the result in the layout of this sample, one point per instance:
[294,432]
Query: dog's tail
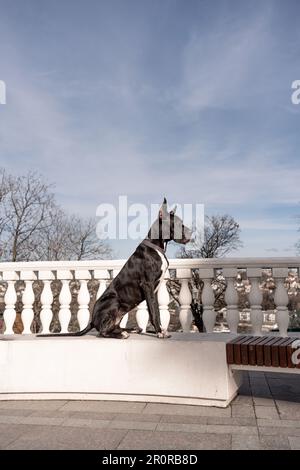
[78,333]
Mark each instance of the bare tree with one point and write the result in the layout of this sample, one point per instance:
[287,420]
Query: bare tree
[33,227]
[84,243]
[26,213]
[53,243]
[3,195]
[70,238]
[221,236]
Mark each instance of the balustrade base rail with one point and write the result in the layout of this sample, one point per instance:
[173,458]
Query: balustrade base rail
[185,369]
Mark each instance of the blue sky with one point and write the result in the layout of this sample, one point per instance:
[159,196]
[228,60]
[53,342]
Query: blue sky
[188,99]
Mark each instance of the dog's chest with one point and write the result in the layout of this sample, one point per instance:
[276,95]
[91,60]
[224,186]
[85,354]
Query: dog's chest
[164,266]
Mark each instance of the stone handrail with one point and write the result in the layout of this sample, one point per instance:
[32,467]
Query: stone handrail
[104,270]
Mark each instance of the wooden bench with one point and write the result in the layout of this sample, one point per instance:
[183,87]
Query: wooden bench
[251,352]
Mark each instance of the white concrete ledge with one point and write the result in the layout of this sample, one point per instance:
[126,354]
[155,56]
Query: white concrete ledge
[186,369]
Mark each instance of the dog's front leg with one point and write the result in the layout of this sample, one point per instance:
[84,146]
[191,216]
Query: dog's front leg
[153,309]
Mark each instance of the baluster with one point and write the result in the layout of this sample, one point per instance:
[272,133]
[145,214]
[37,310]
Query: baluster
[10,299]
[83,315]
[123,322]
[281,300]
[102,275]
[231,299]
[163,302]
[142,316]
[185,299]
[255,298]
[208,299]
[65,298]
[46,314]
[27,299]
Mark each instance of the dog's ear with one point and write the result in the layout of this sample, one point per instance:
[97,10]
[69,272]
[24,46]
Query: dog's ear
[163,211]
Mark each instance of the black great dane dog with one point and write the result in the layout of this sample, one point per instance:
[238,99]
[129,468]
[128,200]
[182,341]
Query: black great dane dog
[138,280]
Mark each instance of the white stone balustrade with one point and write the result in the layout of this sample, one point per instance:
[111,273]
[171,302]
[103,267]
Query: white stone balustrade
[281,300]
[103,276]
[208,299]
[231,299]
[142,316]
[46,299]
[83,315]
[84,271]
[185,299]
[163,302]
[255,298]
[10,299]
[27,298]
[65,298]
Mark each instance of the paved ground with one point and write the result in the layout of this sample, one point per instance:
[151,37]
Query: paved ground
[266,415]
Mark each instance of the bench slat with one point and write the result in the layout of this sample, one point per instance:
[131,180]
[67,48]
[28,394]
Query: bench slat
[244,350]
[237,350]
[229,349]
[283,352]
[267,351]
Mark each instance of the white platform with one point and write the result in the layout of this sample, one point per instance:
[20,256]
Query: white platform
[188,368]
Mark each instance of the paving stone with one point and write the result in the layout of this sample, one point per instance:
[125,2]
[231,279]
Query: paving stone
[51,413]
[274,443]
[58,437]
[164,409]
[32,404]
[243,410]
[86,423]
[105,406]
[43,421]
[267,412]
[291,398]
[279,431]
[242,400]
[245,442]
[146,425]
[259,382]
[246,430]
[207,428]
[10,433]
[93,415]
[148,440]
[9,412]
[261,401]
[279,423]
[36,420]
[137,417]
[182,427]
[245,391]
[234,421]
[294,443]
[258,374]
[184,419]
[10,419]
[288,410]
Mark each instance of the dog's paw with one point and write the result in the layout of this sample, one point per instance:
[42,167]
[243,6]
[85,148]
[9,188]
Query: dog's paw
[164,334]
[125,335]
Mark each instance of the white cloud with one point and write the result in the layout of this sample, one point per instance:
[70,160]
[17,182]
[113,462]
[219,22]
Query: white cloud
[226,67]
